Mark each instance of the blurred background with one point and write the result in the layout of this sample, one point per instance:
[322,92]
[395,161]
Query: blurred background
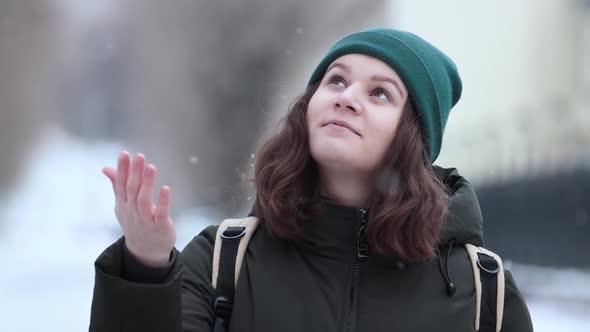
[194,85]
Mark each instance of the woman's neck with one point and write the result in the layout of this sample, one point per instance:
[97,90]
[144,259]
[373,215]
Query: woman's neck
[346,189]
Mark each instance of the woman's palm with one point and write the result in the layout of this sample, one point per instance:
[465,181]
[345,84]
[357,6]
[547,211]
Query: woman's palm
[149,232]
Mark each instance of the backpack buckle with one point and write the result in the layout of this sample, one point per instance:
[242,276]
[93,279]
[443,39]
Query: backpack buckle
[232,233]
[487,263]
[223,307]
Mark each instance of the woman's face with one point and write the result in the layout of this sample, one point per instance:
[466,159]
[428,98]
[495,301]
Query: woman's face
[353,115]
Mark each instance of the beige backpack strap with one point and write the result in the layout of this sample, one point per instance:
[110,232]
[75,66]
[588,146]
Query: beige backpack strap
[250,224]
[473,251]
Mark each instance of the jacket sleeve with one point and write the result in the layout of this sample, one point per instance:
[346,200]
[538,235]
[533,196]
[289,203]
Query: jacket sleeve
[135,271]
[178,302]
[516,314]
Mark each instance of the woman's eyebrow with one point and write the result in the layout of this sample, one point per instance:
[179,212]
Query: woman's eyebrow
[344,67]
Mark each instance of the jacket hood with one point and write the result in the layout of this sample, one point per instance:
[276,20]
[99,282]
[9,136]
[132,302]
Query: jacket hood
[464,222]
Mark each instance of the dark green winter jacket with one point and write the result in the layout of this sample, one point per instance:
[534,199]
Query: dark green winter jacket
[314,284]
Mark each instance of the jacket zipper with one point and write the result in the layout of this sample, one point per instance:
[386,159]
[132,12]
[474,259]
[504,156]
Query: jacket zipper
[362,252]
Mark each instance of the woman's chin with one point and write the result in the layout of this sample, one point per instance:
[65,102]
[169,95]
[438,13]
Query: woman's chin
[335,156]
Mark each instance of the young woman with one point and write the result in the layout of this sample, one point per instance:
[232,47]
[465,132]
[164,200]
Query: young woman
[359,230]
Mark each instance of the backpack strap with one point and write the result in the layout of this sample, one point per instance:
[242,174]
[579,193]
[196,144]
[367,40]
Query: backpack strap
[488,274]
[231,241]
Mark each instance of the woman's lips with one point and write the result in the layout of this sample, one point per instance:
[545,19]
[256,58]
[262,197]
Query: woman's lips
[342,125]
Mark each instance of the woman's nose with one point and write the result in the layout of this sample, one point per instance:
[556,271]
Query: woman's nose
[348,99]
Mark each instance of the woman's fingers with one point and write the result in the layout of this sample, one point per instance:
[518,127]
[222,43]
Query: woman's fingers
[145,207]
[149,233]
[134,184]
[122,175]
[162,210]
[135,179]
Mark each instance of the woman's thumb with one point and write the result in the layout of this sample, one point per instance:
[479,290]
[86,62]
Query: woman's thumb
[109,172]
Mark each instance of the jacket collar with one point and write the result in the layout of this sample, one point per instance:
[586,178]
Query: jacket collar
[333,230]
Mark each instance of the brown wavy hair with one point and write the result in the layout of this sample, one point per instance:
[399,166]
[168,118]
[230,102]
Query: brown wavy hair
[407,208]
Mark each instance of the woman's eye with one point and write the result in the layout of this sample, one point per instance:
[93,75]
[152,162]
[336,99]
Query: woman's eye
[338,81]
[381,94]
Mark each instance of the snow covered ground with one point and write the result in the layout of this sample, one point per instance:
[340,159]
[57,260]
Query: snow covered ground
[58,221]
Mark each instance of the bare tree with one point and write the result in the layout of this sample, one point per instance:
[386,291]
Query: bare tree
[28,60]
[209,73]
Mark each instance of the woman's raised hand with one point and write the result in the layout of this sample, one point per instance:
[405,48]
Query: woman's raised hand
[149,232]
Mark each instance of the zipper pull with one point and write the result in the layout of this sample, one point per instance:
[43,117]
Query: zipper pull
[362,245]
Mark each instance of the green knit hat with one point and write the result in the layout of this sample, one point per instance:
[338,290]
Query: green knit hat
[430,76]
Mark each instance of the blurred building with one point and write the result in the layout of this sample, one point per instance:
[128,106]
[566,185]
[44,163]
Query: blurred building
[520,131]
[525,71]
